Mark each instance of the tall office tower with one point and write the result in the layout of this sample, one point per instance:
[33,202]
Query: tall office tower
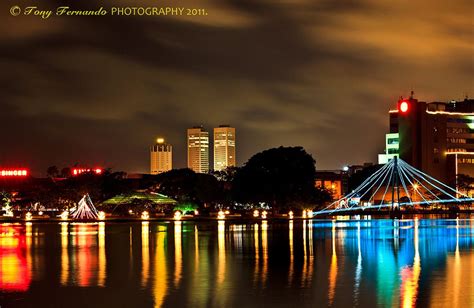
[224,147]
[198,149]
[161,157]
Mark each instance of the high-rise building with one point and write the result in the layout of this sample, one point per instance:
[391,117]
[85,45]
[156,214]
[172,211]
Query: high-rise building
[224,147]
[437,138]
[198,149]
[161,157]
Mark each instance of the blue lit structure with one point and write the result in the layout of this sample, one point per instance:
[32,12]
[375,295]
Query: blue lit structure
[394,185]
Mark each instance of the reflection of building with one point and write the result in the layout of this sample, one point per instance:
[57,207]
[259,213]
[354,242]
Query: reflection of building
[437,138]
[15,259]
[333,181]
[224,147]
[161,157]
[198,149]
[83,260]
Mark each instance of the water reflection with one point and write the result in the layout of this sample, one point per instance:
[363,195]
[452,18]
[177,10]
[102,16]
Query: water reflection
[160,283]
[145,252]
[358,271]
[178,257]
[264,253]
[221,252]
[292,254]
[456,289]
[15,259]
[410,275]
[64,253]
[333,269]
[220,294]
[307,271]
[221,264]
[257,254]
[83,258]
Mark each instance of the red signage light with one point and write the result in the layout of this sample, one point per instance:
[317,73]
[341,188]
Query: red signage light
[13,172]
[79,171]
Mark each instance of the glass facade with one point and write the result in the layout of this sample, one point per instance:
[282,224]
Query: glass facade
[224,147]
[198,150]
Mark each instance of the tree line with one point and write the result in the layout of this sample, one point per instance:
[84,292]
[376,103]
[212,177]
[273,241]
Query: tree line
[281,178]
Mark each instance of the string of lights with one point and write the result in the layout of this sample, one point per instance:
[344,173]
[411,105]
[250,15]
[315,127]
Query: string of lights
[406,183]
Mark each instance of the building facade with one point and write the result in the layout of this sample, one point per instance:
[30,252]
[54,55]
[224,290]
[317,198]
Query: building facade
[198,149]
[392,144]
[437,138]
[334,181]
[224,147]
[161,157]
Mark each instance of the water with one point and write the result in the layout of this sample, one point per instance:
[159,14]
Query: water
[384,263]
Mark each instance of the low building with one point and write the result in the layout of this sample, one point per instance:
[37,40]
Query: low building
[334,181]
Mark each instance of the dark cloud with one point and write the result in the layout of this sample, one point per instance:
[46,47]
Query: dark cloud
[321,74]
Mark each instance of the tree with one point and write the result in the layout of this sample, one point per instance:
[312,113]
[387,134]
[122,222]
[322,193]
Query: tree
[226,175]
[52,171]
[282,177]
[66,172]
[186,186]
[465,183]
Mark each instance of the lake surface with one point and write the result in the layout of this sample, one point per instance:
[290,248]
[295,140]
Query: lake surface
[366,263]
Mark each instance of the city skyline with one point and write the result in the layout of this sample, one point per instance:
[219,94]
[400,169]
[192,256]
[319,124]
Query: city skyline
[317,74]
[181,162]
[236,153]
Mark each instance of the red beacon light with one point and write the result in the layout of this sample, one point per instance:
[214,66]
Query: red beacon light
[403,107]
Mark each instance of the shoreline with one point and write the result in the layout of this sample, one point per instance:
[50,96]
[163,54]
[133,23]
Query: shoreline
[465,214]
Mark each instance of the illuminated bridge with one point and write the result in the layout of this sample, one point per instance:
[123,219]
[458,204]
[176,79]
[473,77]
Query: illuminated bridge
[397,185]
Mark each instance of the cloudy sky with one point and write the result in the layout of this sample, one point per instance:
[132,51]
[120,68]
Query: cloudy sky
[317,73]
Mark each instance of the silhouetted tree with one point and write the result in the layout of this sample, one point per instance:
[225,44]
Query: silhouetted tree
[282,177]
[184,185]
[226,175]
[65,172]
[52,171]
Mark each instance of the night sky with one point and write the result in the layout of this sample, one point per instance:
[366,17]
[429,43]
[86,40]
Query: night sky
[320,74]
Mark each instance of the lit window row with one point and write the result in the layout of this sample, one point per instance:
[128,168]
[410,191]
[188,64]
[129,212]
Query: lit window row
[456,140]
[466,160]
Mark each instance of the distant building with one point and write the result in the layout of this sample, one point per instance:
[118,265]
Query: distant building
[437,138]
[334,181]
[161,157]
[224,147]
[198,149]
[392,141]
